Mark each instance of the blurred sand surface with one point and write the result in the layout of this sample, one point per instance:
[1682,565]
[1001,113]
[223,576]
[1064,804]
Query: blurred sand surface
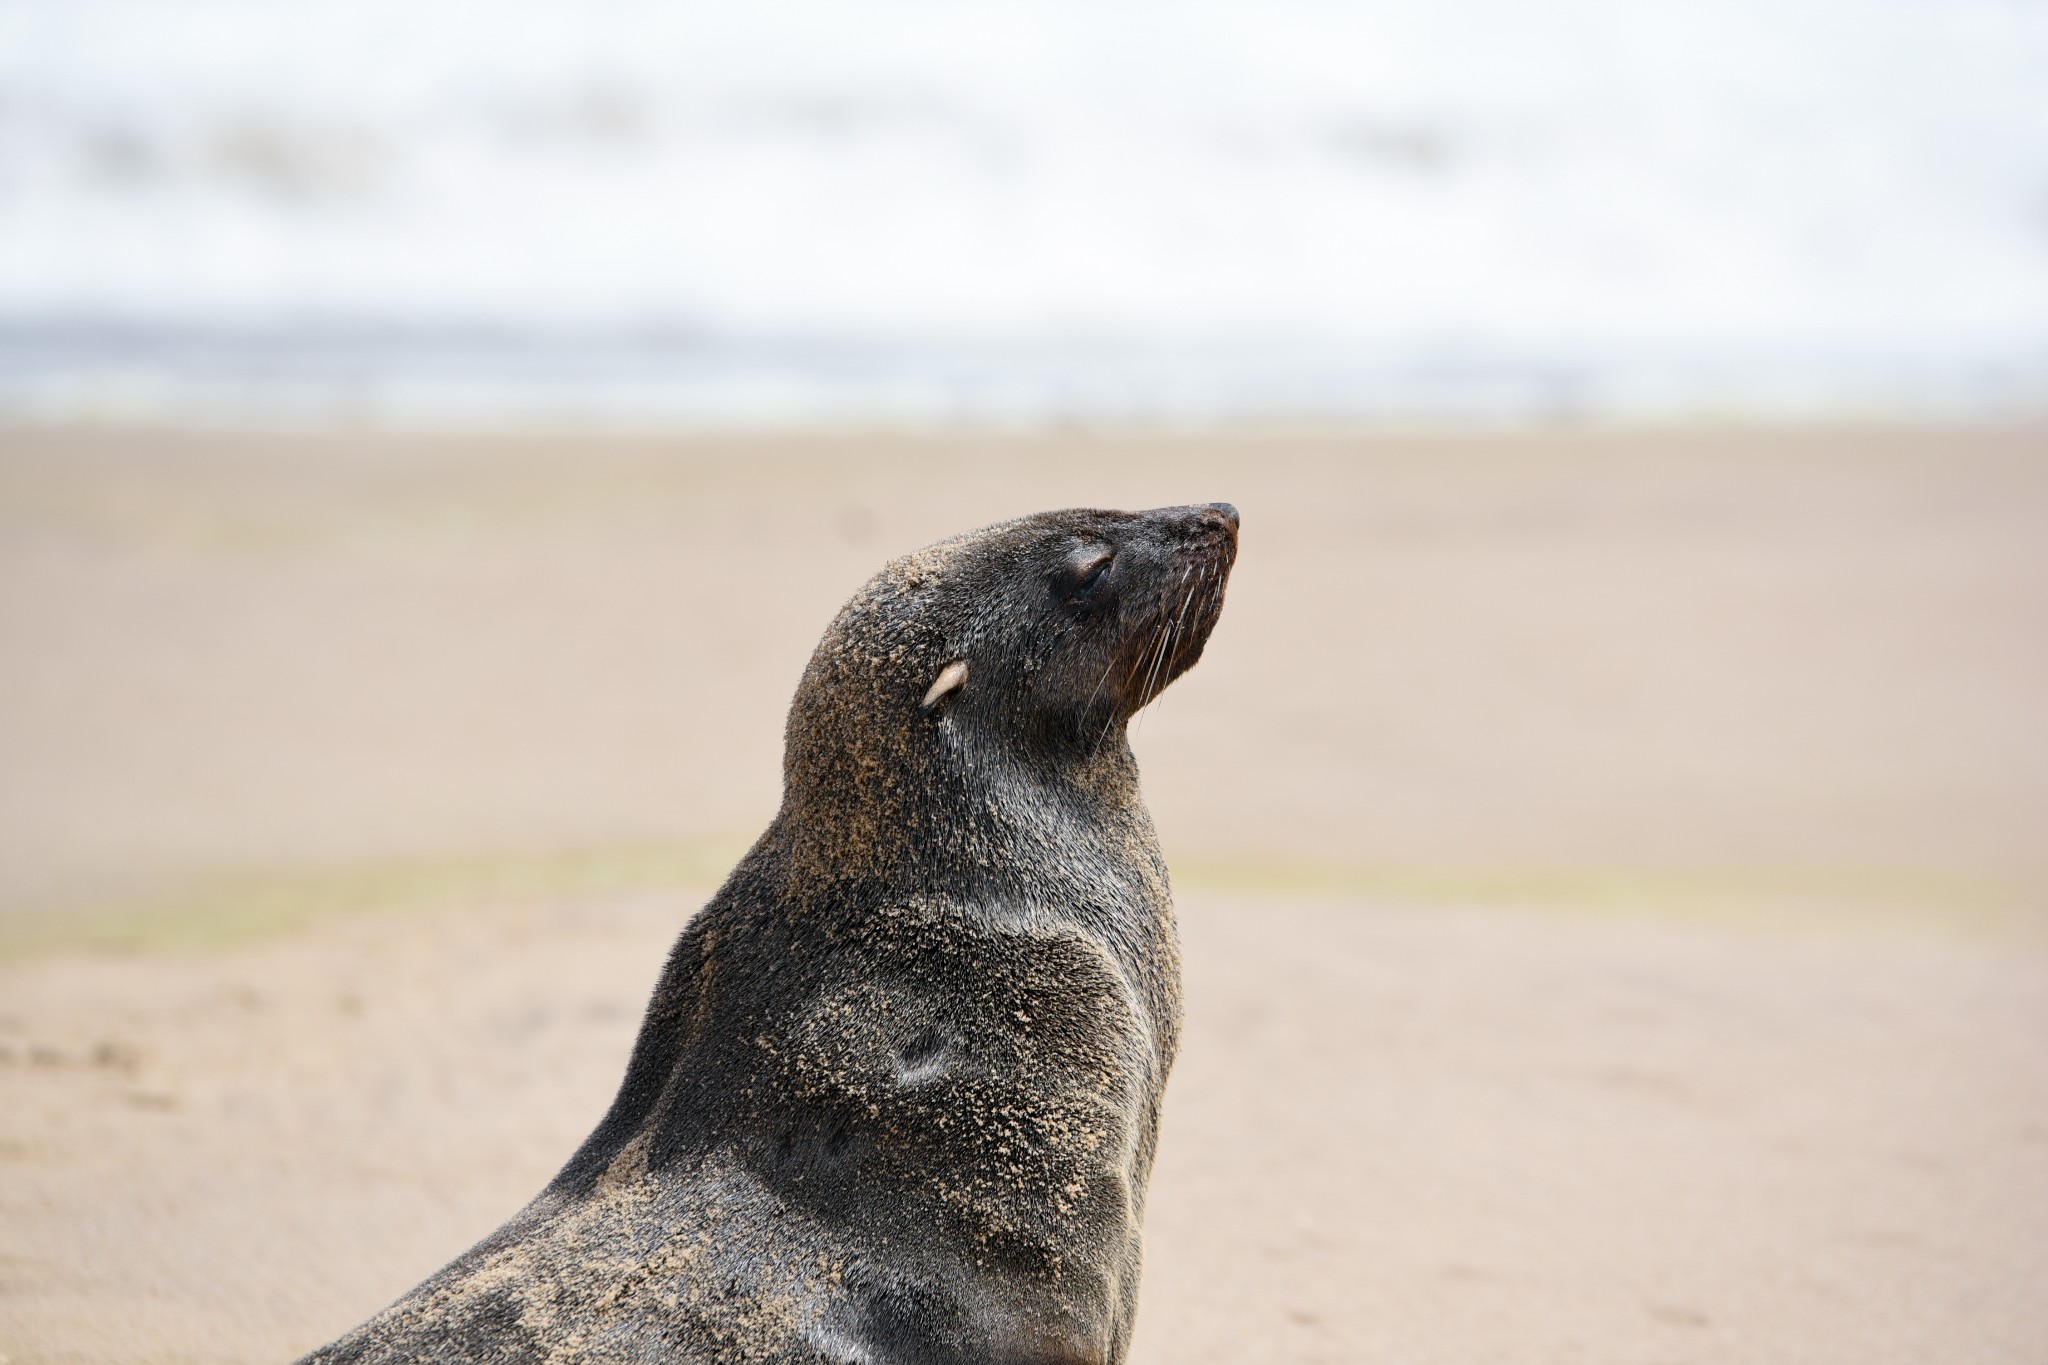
[1610,863]
[1397,1133]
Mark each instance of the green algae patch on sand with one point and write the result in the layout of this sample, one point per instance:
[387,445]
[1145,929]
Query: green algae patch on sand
[1966,904]
[235,907]
[229,908]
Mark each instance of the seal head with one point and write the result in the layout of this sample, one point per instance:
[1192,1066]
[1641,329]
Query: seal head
[995,668]
[896,1095]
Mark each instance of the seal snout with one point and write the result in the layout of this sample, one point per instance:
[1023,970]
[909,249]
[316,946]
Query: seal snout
[1211,525]
[1211,530]
[1172,600]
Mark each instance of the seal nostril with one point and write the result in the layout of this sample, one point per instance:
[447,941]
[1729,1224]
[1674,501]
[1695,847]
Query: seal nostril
[1226,511]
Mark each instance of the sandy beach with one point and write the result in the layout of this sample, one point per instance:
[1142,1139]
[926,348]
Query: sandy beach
[1615,905]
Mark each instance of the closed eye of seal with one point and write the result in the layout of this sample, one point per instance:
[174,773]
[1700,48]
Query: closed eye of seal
[1083,573]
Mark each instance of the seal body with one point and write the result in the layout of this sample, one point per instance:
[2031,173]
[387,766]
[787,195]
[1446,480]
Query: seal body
[896,1096]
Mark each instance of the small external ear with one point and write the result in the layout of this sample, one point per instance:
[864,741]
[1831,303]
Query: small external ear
[950,677]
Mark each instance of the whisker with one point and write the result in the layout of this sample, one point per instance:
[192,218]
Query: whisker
[1096,691]
[1172,638]
[1158,660]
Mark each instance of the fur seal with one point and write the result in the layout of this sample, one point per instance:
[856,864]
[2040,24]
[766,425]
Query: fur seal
[896,1095]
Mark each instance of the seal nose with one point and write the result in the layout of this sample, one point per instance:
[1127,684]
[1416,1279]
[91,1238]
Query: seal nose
[1226,512]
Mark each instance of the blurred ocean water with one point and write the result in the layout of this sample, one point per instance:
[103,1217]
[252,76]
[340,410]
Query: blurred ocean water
[1023,209]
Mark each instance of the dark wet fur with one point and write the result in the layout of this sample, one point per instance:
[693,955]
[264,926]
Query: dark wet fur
[896,1095]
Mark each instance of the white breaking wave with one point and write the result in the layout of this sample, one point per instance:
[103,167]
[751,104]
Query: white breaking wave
[1023,208]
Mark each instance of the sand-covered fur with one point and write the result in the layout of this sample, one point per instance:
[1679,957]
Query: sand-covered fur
[897,1093]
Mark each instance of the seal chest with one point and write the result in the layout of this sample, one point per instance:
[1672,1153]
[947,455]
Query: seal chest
[896,1095]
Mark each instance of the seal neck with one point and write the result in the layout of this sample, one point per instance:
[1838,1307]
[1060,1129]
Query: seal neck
[981,820]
